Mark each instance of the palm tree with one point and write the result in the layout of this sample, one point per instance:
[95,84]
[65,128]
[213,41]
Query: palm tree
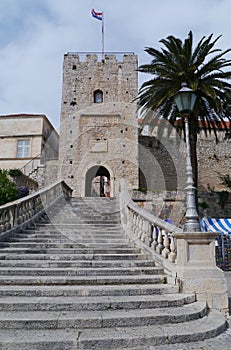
[206,72]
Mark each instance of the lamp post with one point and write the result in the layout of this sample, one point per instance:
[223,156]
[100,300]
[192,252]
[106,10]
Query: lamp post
[185,100]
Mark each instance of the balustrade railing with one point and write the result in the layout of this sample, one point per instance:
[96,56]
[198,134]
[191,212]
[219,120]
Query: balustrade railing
[149,229]
[188,258]
[24,210]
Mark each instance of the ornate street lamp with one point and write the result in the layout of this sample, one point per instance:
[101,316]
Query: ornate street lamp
[185,100]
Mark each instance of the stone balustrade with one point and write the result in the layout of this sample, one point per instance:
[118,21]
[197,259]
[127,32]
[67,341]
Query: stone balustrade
[148,229]
[21,212]
[188,258]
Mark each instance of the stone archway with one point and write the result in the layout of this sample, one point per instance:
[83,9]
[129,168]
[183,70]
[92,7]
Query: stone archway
[97,182]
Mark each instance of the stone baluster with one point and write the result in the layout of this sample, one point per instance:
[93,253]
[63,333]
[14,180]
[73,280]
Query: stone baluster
[30,208]
[5,220]
[165,251]
[1,222]
[19,217]
[133,218]
[24,211]
[127,216]
[27,210]
[11,215]
[160,246]
[149,229]
[143,230]
[154,238]
[172,254]
[140,224]
[137,225]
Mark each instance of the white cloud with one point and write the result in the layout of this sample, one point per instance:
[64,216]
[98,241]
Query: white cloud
[36,34]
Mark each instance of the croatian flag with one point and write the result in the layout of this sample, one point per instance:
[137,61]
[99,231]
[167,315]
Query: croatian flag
[97,15]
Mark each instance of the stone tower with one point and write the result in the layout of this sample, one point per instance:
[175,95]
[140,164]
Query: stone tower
[98,130]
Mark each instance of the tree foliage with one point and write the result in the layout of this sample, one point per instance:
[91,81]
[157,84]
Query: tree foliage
[15,172]
[8,190]
[205,70]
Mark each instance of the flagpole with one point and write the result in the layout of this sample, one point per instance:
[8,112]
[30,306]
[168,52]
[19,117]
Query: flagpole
[102,35]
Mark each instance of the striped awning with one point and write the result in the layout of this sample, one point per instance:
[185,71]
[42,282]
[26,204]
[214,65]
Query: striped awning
[216,225]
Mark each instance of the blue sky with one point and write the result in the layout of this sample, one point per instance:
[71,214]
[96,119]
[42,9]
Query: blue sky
[35,34]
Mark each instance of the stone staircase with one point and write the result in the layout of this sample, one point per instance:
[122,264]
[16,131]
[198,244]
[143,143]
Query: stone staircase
[73,281]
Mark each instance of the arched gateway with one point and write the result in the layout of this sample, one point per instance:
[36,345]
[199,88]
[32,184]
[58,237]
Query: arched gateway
[98,182]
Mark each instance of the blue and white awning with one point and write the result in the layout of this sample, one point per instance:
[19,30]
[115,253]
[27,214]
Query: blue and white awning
[216,225]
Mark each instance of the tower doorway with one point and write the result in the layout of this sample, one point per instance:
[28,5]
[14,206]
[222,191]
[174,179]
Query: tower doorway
[97,182]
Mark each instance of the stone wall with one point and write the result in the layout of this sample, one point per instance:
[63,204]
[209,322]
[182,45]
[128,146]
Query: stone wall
[168,152]
[161,164]
[50,172]
[213,159]
[162,169]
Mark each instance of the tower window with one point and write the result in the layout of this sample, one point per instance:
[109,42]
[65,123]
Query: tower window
[98,96]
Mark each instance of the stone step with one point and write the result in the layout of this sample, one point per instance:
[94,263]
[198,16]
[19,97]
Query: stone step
[64,235]
[79,216]
[94,303]
[101,319]
[43,232]
[87,290]
[81,280]
[59,234]
[72,239]
[65,241]
[85,211]
[63,246]
[65,238]
[117,338]
[77,225]
[38,255]
[37,250]
[84,223]
[71,271]
[77,263]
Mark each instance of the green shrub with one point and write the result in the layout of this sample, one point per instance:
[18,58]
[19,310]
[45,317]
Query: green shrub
[15,172]
[8,190]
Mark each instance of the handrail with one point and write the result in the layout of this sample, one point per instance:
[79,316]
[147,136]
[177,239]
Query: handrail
[30,164]
[18,214]
[148,230]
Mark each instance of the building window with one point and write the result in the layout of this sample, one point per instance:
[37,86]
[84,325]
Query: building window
[98,96]
[23,148]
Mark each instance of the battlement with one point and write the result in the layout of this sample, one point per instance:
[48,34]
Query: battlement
[99,57]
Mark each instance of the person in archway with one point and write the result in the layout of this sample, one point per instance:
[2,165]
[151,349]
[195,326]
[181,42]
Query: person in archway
[107,188]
